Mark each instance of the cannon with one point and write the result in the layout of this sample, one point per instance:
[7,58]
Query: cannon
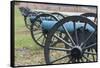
[29,15]
[39,35]
[47,25]
[44,22]
[27,20]
[91,16]
[70,43]
[32,15]
[35,25]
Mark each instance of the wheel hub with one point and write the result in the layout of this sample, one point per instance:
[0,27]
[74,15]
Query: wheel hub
[76,52]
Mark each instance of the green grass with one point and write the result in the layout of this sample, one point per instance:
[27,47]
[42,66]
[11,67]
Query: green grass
[22,34]
[25,48]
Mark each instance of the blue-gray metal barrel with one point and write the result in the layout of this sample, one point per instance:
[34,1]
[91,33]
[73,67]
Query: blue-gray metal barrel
[47,25]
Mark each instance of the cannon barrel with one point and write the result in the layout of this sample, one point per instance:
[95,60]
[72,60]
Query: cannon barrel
[47,25]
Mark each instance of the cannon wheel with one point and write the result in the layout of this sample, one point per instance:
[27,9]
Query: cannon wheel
[37,33]
[94,20]
[90,15]
[77,49]
[59,16]
[27,19]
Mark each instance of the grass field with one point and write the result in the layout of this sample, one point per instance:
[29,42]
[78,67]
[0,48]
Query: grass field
[27,52]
